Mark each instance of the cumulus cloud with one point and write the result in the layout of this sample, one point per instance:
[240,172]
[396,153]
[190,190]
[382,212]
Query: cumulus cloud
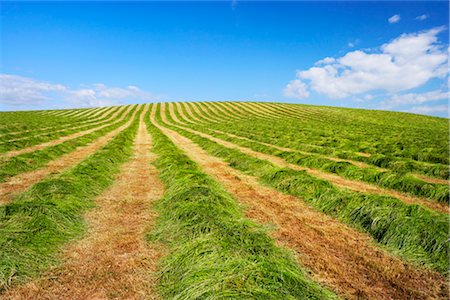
[415,98]
[23,91]
[422,17]
[296,89]
[394,19]
[407,62]
[17,90]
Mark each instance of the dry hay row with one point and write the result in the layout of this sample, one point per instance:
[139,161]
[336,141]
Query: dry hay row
[113,259]
[221,111]
[356,163]
[21,182]
[192,116]
[336,180]
[198,110]
[93,121]
[50,127]
[319,242]
[229,111]
[214,114]
[68,137]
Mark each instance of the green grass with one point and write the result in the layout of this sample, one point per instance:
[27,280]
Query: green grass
[387,179]
[35,226]
[48,136]
[413,232]
[215,252]
[36,159]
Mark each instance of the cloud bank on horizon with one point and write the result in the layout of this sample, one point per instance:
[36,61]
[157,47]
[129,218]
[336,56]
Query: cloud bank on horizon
[405,63]
[21,91]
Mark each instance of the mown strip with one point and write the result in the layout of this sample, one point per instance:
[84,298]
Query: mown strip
[34,160]
[387,179]
[13,145]
[35,226]
[416,233]
[215,252]
[49,130]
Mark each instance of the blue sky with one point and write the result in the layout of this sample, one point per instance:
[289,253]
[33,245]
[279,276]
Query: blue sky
[380,55]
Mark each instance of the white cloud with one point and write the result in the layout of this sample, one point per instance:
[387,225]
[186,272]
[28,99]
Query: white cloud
[23,91]
[394,19]
[422,17]
[407,62]
[296,89]
[17,90]
[326,60]
[430,110]
[415,98]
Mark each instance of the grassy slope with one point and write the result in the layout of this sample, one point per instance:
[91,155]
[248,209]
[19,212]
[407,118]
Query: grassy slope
[41,220]
[215,251]
[412,231]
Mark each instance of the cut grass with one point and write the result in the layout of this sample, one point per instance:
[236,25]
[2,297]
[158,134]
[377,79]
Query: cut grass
[215,252]
[415,233]
[34,160]
[41,220]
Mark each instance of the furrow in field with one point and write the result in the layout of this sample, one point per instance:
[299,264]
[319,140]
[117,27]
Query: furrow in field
[51,129]
[65,138]
[229,111]
[256,111]
[172,109]
[113,260]
[206,110]
[179,107]
[23,181]
[239,111]
[91,122]
[187,107]
[334,179]
[267,111]
[364,165]
[221,111]
[83,112]
[198,110]
[320,242]
[356,163]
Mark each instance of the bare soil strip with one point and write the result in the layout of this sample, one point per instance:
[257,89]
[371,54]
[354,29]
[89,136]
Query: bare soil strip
[40,128]
[354,185]
[199,110]
[254,112]
[356,163]
[93,121]
[229,111]
[222,111]
[65,138]
[190,113]
[113,261]
[172,111]
[180,108]
[339,256]
[23,181]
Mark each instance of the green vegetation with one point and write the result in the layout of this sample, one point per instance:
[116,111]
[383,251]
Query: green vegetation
[35,226]
[69,123]
[36,159]
[215,252]
[48,136]
[411,231]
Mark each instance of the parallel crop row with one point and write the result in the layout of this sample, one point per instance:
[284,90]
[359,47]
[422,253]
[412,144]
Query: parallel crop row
[42,219]
[215,252]
[416,233]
